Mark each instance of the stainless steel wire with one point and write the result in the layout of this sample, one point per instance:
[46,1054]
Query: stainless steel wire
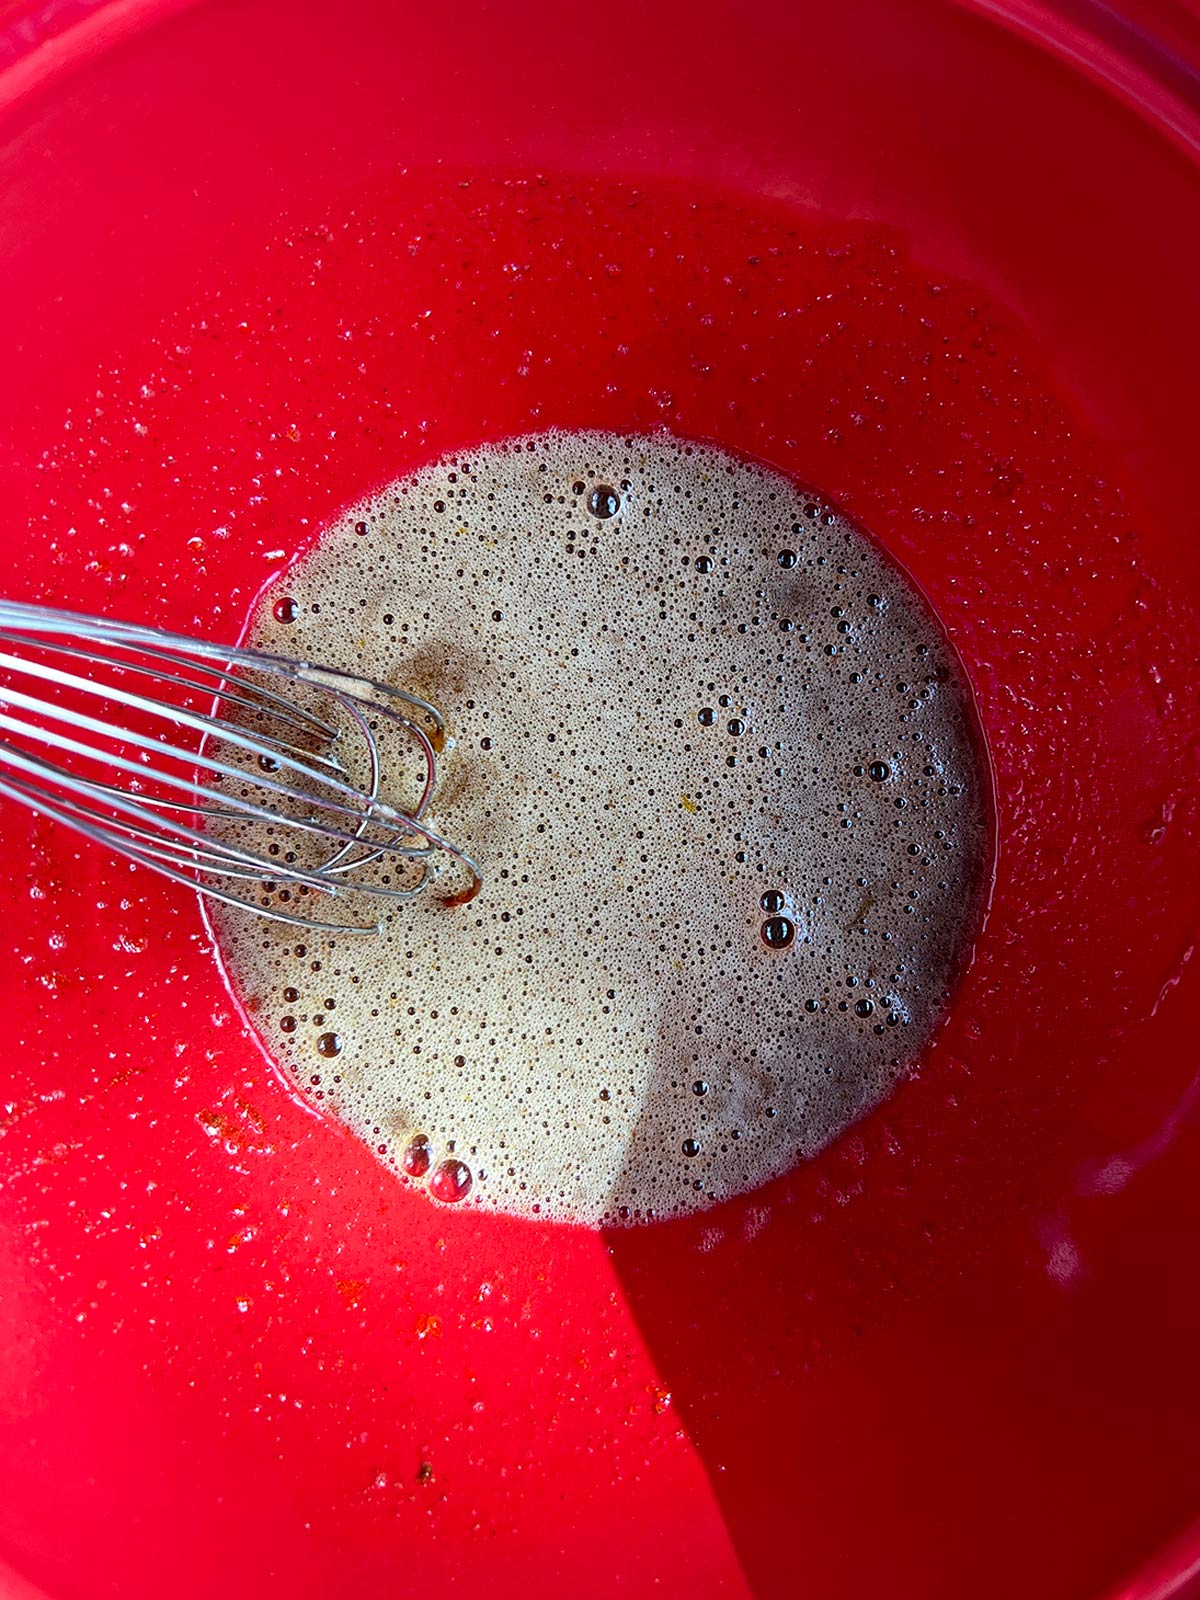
[223,767]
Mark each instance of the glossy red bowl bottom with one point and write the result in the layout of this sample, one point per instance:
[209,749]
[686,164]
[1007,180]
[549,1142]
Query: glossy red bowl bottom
[256,258]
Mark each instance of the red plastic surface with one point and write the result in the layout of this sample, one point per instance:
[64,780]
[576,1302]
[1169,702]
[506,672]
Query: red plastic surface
[255,258]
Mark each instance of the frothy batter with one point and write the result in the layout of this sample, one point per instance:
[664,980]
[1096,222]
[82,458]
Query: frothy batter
[718,766]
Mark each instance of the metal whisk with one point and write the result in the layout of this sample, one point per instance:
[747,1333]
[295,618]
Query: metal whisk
[220,767]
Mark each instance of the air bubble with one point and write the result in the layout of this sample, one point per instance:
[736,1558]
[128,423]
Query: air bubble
[451,1181]
[417,1156]
[604,501]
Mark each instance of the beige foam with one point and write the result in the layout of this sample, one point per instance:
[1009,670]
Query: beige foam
[608,1004]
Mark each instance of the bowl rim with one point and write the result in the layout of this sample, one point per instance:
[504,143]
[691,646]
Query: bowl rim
[1145,54]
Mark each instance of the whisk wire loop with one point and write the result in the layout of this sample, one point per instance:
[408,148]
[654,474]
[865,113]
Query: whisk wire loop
[95,719]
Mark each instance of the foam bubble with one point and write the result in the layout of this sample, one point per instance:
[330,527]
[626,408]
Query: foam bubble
[718,766]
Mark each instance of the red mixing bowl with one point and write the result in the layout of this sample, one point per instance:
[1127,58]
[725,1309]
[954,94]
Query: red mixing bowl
[940,261]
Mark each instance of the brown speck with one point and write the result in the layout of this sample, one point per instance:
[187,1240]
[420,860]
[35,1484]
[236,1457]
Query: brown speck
[455,777]
[868,900]
[439,671]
